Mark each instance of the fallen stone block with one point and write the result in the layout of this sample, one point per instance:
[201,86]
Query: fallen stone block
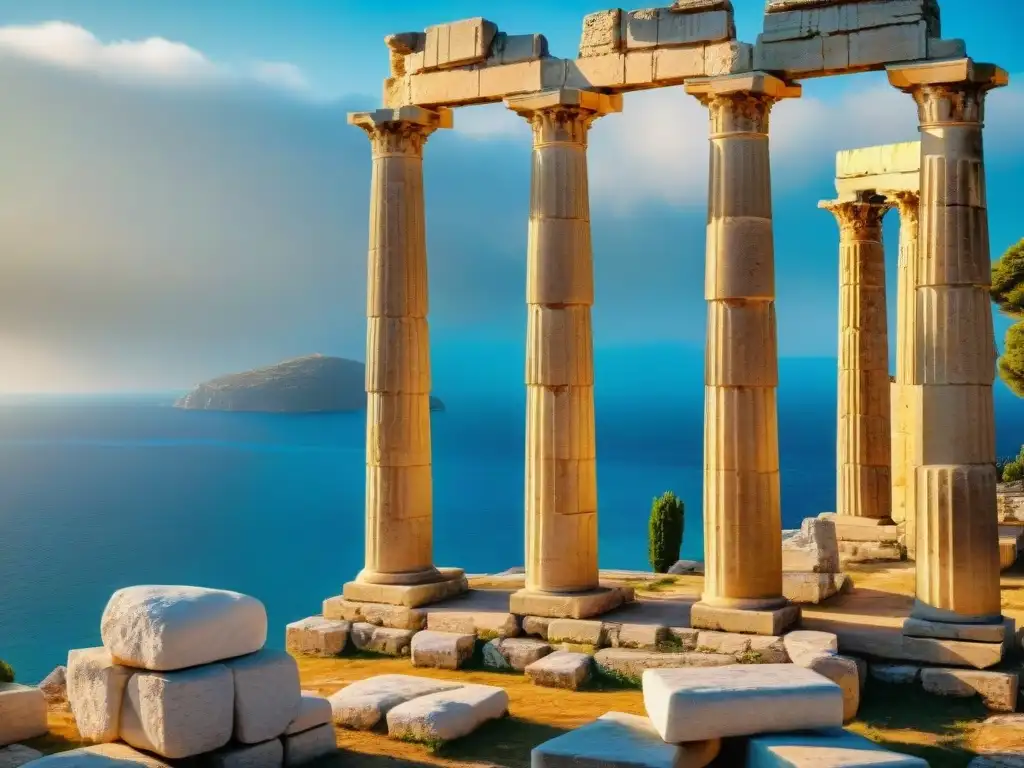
[314,710]
[646,636]
[813,548]
[514,652]
[895,674]
[997,689]
[578,632]
[536,626]
[618,740]
[22,713]
[813,588]
[682,567]
[96,687]
[561,669]
[16,755]
[383,640]
[100,756]
[739,700]
[304,747]
[831,748]
[729,643]
[164,628]
[267,695]
[630,664]
[317,636]
[484,624]
[381,615]
[363,704]
[55,686]
[442,650]
[844,672]
[768,649]
[808,642]
[447,715]
[870,552]
[267,754]
[179,714]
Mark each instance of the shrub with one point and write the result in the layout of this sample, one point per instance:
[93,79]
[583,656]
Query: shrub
[665,531]
[1008,281]
[6,672]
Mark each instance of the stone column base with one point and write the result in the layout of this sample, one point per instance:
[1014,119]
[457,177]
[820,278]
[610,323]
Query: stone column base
[767,621]
[568,605]
[453,582]
[931,615]
[978,633]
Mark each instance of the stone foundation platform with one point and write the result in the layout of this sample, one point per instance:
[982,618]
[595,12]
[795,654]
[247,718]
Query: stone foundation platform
[580,605]
[866,540]
[772,621]
[453,583]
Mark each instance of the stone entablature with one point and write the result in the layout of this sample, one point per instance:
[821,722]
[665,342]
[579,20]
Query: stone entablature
[473,62]
[888,170]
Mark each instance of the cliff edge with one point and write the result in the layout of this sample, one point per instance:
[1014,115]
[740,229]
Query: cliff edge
[311,384]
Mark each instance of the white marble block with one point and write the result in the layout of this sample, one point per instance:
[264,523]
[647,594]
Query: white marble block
[831,748]
[96,688]
[447,715]
[442,650]
[617,740]
[314,710]
[363,704]
[164,628]
[701,703]
[267,695]
[179,714]
[22,713]
[309,745]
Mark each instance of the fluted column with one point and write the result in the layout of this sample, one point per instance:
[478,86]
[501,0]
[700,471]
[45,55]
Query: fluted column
[742,514]
[864,486]
[957,538]
[561,459]
[904,511]
[399,519]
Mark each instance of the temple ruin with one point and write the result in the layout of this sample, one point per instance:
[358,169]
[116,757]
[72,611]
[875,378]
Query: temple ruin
[915,455]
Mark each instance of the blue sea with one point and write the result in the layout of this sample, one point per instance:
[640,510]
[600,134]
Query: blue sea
[98,493]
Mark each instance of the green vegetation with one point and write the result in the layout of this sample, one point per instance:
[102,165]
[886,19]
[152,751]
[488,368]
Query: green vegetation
[665,531]
[1008,294]
[6,672]
[1011,469]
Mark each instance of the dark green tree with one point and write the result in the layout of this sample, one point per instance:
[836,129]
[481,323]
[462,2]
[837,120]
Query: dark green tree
[1008,294]
[6,672]
[1011,364]
[665,531]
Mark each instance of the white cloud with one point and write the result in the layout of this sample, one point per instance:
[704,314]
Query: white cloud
[154,59]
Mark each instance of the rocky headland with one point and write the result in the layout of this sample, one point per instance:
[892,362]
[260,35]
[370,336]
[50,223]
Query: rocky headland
[310,384]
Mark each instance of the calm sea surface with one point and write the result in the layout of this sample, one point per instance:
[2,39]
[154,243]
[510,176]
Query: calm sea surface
[101,493]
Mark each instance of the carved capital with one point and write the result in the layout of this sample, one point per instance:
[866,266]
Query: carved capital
[909,205]
[742,112]
[560,124]
[947,103]
[858,220]
[398,138]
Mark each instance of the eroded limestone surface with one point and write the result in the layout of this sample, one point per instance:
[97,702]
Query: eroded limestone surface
[448,714]
[361,705]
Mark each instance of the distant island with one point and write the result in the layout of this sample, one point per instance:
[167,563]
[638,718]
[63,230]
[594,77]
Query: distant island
[310,384]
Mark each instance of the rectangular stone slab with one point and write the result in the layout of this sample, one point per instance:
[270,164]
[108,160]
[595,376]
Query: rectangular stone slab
[617,740]
[364,703]
[709,703]
[832,748]
[22,713]
[447,715]
[100,756]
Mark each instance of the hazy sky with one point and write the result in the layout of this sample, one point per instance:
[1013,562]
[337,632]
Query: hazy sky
[180,195]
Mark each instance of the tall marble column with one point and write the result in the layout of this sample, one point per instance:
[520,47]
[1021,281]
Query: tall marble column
[957,535]
[864,487]
[742,513]
[904,511]
[399,565]
[561,473]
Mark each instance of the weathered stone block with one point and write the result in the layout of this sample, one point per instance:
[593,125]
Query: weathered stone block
[813,588]
[485,624]
[267,754]
[450,87]
[813,548]
[561,669]
[831,748]
[163,628]
[886,45]
[307,746]
[648,636]
[768,649]
[681,567]
[317,636]
[577,631]
[806,643]
[441,650]
[512,49]
[55,686]
[897,674]
[617,740]
[96,687]
[447,715]
[602,33]
[100,756]
[514,653]
[739,700]
[946,49]
[363,704]
[997,689]
[22,713]
[267,695]
[314,710]
[383,640]
[640,29]
[631,664]
[979,633]
[599,71]
[728,58]
[379,614]
[685,637]
[458,43]
[887,644]
[773,622]
[691,28]
[179,714]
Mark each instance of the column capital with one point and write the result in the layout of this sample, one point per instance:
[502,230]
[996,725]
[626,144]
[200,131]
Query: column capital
[948,92]
[402,130]
[741,103]
[563,114]
[858,217]
[908,203]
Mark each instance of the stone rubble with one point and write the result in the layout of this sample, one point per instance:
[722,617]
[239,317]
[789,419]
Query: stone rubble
[561,669]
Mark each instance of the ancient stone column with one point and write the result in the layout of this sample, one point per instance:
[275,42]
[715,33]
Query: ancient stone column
[864,487]
[742,514]
[561,476]
[904,511]
[399,565]
[957,535]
